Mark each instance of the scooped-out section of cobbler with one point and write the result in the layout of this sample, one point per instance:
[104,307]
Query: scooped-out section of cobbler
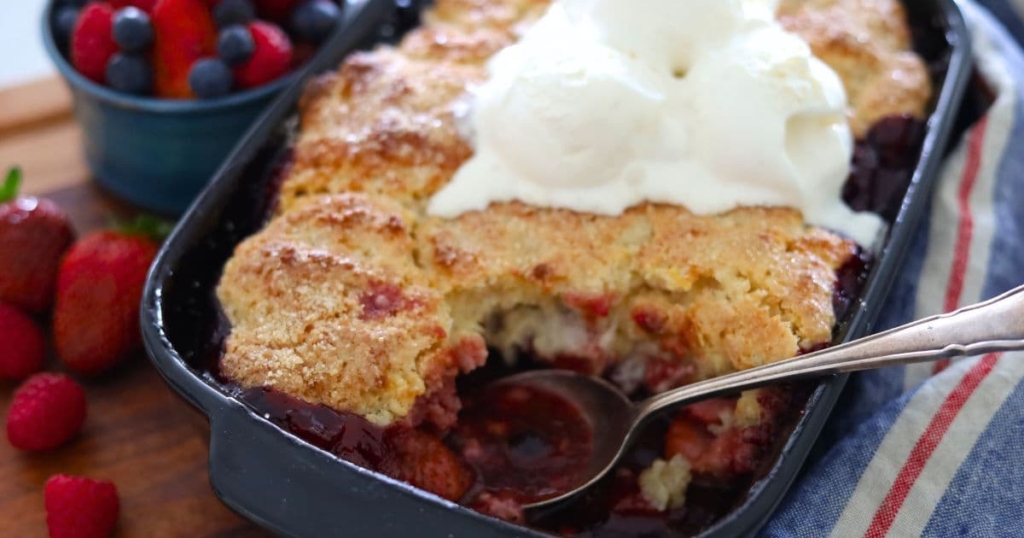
[371,328]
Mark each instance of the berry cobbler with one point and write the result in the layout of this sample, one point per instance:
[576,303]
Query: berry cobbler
[370,313]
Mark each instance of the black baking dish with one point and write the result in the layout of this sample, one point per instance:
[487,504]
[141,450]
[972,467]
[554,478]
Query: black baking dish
[294,488]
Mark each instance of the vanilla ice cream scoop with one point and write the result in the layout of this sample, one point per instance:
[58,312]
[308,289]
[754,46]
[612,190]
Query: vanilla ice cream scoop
[707,104]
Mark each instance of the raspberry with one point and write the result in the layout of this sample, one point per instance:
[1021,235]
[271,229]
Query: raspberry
[47,410]
[78,507]
[24,345]
[92,43]
[271,59]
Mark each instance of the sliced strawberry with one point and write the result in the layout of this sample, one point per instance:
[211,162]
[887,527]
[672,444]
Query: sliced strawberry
[184,32]
[272,58]
[92,41]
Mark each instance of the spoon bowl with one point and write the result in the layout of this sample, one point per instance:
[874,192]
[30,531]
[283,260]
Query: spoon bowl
[991,326]
[608,412]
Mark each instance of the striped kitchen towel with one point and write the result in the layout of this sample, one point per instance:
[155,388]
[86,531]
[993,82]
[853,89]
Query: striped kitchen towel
[938,450]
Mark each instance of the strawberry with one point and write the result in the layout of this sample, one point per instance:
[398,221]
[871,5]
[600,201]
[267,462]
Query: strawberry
[78,507]
[144,5]
[725,454]
[24,345]
[276,10]
[47,410]
[184,32]
[271,59]
[34,233]
[92,41]
[96,320]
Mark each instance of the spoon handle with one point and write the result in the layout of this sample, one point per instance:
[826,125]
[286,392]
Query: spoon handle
[994,325]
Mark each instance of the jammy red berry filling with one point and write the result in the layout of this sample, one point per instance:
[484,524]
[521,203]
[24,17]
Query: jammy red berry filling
[505,446]
[525,444]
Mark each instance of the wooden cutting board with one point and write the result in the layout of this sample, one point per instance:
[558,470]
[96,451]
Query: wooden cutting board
[138,434]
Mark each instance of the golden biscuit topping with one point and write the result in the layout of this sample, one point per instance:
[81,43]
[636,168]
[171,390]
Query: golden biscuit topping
[353,297]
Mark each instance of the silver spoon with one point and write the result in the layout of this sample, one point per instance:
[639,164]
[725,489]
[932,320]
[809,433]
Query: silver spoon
[995,325]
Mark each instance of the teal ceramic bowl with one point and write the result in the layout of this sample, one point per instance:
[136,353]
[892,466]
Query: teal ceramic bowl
[156,153]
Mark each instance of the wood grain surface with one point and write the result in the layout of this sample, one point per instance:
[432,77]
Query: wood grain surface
[138,434]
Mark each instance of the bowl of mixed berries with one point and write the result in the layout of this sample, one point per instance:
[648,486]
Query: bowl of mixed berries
[163,89]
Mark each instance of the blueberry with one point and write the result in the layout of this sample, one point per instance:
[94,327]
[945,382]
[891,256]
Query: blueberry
[229,12]
[64,23]
[313,20]
[130,73]
[133,31]
[235,44]
[210,77]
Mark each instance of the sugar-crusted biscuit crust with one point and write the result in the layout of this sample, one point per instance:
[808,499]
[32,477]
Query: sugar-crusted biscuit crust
[867,42]
[353,297]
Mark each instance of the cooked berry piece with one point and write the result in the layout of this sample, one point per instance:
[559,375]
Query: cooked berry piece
[230,12]
[130,73]
[235,45]
[133,31]
[64,23]
[210,77]
[313,20]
